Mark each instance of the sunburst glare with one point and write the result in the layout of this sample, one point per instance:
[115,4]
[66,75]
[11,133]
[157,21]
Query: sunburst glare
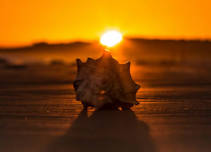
[111,38]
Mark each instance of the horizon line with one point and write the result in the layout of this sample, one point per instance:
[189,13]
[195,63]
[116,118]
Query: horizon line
[31,44]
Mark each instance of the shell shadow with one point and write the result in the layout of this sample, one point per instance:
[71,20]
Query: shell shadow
[106,131]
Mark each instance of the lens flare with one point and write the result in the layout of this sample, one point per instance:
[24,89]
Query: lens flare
[111,38]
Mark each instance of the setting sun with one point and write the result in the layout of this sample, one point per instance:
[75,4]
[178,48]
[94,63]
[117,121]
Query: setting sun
[111,38]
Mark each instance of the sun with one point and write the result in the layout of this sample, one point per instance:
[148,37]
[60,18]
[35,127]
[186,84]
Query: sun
[111,38]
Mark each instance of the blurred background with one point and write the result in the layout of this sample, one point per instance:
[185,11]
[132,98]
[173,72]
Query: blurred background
[40,40]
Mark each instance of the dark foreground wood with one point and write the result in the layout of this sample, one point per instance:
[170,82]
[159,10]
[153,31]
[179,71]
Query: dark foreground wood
[174,115]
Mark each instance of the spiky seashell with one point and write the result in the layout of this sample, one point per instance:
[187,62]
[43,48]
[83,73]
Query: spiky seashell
[103,82]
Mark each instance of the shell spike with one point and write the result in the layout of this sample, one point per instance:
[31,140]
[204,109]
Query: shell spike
[128,65]
[79,63]
[137,86]
[90,60]
[106,54]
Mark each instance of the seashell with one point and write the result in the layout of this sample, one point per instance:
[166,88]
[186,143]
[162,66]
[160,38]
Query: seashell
[103,82]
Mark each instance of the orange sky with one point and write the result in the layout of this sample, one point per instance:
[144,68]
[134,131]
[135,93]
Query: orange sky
[25,21]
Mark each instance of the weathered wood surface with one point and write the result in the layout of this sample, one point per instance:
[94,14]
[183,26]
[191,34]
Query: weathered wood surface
[174,116]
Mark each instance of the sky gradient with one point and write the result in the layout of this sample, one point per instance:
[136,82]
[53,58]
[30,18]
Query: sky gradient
[27,21]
